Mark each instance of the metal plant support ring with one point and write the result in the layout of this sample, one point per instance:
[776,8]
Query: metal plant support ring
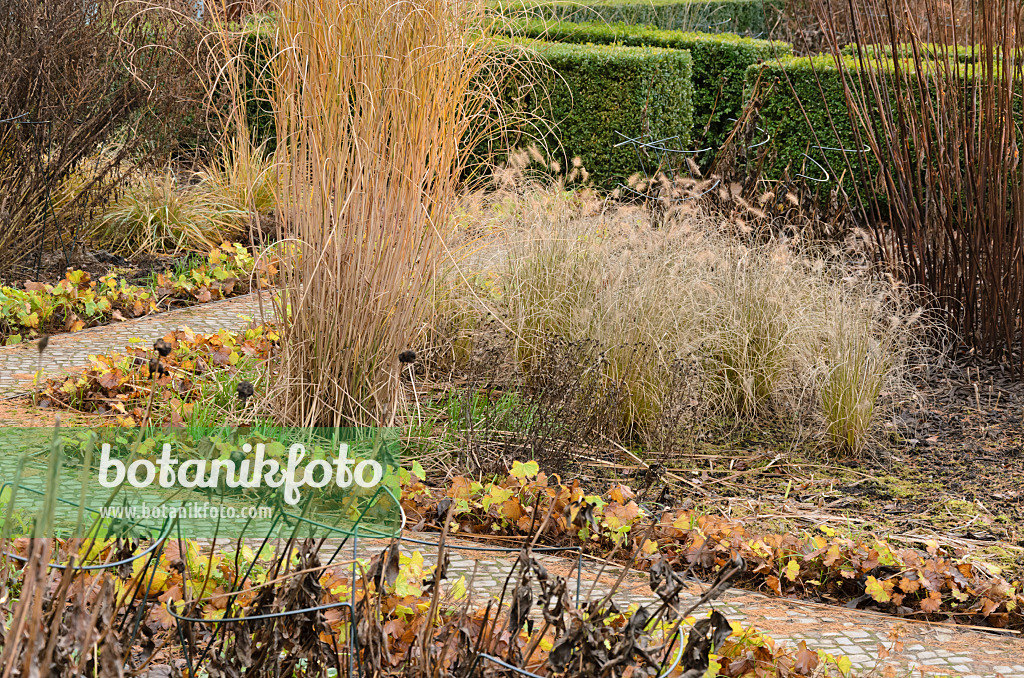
[165,531]
[824,171]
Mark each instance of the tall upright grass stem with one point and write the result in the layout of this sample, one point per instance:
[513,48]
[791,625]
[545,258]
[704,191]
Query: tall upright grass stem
[942,119]
[372,101]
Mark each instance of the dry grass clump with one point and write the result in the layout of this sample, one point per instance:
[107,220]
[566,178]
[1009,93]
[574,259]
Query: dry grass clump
[869,338]
[766,330]
[372,101]
[177,211]
[158,213]
[243,176]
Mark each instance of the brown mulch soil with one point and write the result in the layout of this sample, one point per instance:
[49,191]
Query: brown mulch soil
[960,459]
[967,440]
[20,411]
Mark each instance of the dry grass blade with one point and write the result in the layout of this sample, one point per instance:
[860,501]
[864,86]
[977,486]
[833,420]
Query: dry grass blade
[372,102]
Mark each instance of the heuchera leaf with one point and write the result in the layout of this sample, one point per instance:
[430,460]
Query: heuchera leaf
[523,471]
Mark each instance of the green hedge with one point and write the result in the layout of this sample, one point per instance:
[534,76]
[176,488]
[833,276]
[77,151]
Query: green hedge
[931,50]
[785,86]
[257,50]
[818,87]
[584,94]
[743,17]
[720,63]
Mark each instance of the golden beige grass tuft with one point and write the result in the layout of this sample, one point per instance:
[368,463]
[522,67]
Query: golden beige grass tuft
[372,101]
[159,213]
[769,331]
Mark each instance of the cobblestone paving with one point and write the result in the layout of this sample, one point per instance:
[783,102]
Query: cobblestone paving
[928,649]
[65,352]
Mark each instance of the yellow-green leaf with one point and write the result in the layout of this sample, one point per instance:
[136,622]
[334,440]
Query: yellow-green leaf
[523,471]
[458,590]
[876,590]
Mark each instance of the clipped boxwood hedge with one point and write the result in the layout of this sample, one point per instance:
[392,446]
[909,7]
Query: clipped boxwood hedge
[256,52]
[789,88]
[744,17]
[583,95]
[958,53]
[720,63]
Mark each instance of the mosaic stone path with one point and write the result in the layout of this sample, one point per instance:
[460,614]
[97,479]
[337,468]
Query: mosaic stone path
[65,352]
[863,637]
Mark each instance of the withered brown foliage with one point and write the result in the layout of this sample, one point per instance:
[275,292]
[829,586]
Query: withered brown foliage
[303,621]
[115,76]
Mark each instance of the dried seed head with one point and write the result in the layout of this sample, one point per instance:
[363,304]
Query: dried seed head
[245,390]
[43,342]
[155,367]
[162,347]
[407,356]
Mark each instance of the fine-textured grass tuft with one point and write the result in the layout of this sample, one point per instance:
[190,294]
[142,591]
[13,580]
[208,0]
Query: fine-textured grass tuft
[868,339]
[760,329]
[242,176]
[158,214]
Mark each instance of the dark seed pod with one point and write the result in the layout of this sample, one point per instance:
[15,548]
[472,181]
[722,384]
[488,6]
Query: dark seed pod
[155,367]
[245,390]
[407,356]
[43,342]
[162,347]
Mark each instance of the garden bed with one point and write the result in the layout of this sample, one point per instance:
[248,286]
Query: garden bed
[886,533]
[80,299]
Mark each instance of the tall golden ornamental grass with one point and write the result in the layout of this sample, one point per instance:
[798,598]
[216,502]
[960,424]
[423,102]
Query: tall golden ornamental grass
[372,99]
